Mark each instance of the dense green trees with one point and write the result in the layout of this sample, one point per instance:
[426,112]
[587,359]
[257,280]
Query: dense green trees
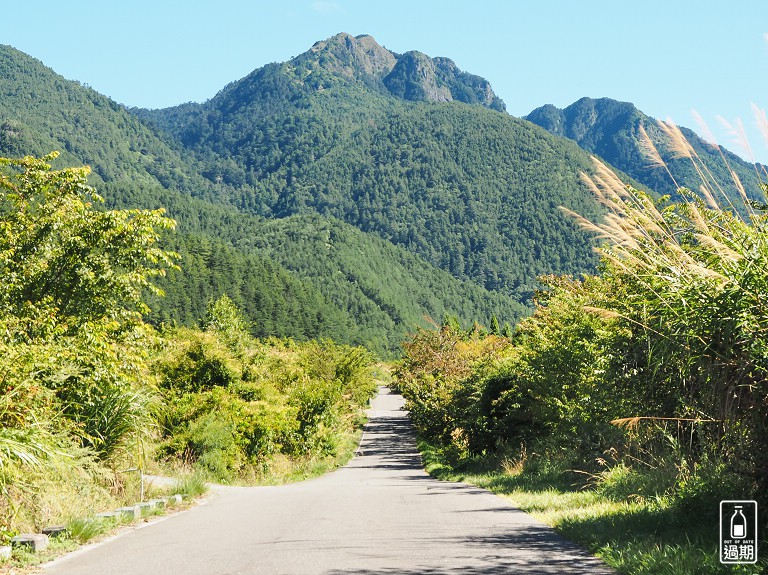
[274,301]
[659,361]
[387,290]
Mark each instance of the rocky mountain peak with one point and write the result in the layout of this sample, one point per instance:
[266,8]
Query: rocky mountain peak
[412,76]
[415,77]
[351,55]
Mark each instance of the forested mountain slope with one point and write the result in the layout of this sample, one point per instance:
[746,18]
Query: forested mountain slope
[611,130]
[386,286]
[40,111]
[351,130]
[271,279]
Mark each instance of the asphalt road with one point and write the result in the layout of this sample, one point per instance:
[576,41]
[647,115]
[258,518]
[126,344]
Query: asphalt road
[381,514]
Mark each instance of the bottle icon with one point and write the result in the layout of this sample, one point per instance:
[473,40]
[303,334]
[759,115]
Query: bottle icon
[738,524]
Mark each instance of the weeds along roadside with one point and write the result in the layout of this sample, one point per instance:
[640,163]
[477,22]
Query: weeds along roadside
[71,534]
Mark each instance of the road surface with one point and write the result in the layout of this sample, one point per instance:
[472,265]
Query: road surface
[381,514]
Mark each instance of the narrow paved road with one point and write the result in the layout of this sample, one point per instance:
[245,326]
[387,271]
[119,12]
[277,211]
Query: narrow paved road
[382,514]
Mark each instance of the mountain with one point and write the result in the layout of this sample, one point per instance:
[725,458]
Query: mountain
[364,291]
[41,111]
[350,192]
[610,130]
[406,147]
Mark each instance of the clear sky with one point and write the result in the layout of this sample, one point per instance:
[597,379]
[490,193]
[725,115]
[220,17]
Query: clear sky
[668,57]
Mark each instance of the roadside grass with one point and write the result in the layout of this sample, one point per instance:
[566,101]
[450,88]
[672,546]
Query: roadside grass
[90,529]
[24,562]
[192,485]
[646,536]
[79,531]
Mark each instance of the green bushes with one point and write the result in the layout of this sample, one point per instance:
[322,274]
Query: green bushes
[489,393]
[436,377]
[661,361]
[236,405]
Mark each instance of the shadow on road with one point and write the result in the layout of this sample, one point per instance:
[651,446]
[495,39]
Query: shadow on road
[389,443]
[521,546]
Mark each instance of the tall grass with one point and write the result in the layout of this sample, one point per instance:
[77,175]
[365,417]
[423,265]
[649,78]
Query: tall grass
[690,280]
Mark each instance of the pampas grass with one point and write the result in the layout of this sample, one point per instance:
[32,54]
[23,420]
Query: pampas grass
[690,281]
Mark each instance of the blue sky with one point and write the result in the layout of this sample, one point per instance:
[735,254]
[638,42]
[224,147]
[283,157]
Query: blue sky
[667,57]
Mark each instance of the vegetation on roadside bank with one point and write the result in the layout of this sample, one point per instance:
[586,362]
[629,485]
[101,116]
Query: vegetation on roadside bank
[642,391]
[93,528]
[242,409]
[90,394]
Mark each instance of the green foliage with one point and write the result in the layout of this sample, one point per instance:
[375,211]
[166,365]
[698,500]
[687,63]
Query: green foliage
[225,320]
[657,365]
[549,381]
[212,442]
[232,411]
[199,362]
[432,377]
[272,299]
[59,253]
[75,394]
[75,278]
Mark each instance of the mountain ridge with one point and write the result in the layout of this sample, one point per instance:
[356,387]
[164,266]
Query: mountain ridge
[412,76]
[457,196]
[610,129]
[137,165]
[444,179]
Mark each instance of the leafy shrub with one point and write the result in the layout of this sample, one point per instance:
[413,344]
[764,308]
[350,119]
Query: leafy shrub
[436,377]
[700,489]
[197,361]
[236,404]
[212,443]
[75,389]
